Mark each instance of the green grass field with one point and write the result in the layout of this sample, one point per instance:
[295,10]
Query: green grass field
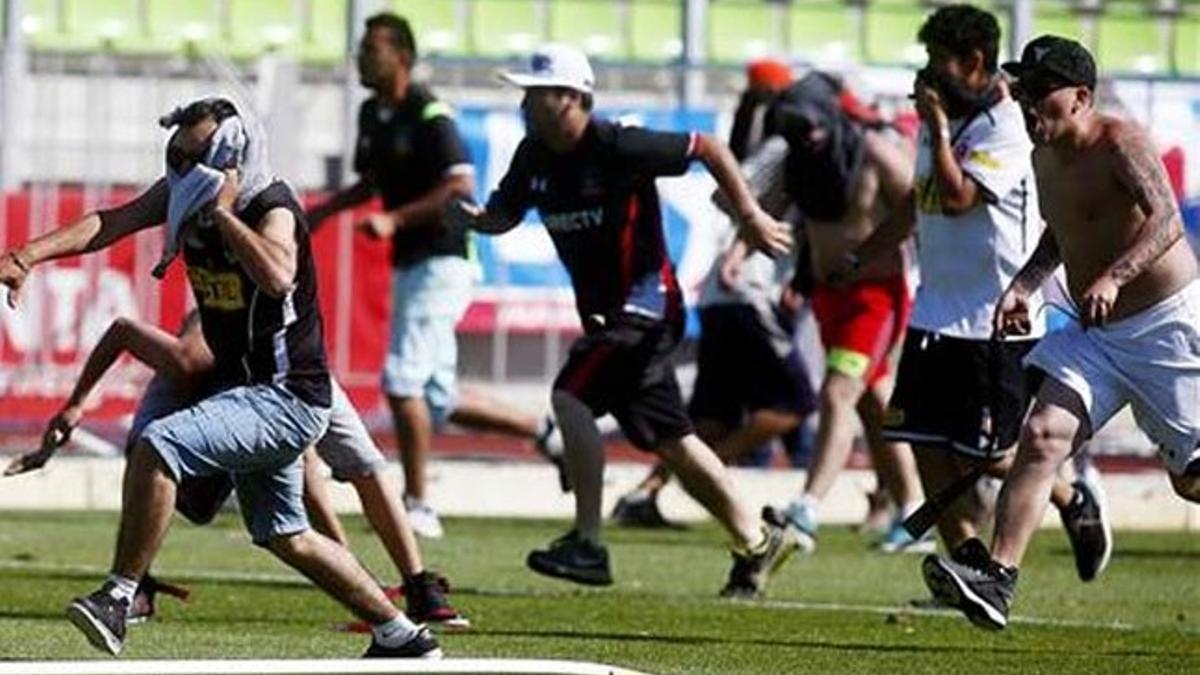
[836,611]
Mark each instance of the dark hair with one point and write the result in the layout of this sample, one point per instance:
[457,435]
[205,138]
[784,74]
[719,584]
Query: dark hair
[220,109]
[962,29]
[586,101]
[400,30]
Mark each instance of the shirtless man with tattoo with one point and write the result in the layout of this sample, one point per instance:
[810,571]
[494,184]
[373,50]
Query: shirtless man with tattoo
[1113,223]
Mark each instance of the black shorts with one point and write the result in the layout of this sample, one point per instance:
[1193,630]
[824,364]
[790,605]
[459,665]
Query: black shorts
[624,368]
[969,396]
[739,368]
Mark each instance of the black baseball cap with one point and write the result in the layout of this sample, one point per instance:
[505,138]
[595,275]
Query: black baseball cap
[1055,59]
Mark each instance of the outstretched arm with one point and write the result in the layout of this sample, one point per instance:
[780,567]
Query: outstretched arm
[94,231]
[178,358]
[340,201]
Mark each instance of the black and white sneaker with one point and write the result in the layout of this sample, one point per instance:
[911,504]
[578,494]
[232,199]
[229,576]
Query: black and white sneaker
[752,569]
[574,559]
[981,589]
[101,618]
[423,645]
[1085,520]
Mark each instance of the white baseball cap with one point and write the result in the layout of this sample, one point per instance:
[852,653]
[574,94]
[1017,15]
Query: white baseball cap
[555,65]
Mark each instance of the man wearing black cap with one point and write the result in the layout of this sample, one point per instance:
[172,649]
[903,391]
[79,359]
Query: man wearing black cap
[1115,226]
[960,395]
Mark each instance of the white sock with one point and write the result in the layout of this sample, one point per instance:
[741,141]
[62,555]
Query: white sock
[909,509]
[809,501]
[395,632]
[122,588]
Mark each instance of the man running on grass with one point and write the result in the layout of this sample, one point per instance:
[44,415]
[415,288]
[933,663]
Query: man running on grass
[1114,225]
[847,173]
[181,366]
[245,242]
[960,395]
[593,183]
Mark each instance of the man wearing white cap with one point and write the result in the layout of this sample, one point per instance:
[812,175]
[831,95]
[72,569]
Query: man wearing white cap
[592,181]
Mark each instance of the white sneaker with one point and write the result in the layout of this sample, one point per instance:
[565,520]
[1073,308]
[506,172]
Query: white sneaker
[423,519]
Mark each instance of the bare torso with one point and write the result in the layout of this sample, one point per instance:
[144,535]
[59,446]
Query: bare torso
[829,242]
[1095,218]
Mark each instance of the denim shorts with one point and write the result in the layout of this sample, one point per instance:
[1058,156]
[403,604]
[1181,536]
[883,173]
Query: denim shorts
[428,299]
[255,432]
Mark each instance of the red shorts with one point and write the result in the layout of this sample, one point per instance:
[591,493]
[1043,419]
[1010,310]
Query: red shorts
[861,323]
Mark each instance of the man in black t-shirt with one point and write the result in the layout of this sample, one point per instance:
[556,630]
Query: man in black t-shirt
[245,243]
[593,183]
[410,153]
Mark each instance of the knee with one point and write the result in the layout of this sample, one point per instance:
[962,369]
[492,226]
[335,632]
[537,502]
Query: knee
[839,392]
[291,546]
[1041,442]
[1187,486]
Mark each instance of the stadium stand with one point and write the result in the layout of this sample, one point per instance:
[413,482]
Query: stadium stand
[1128,36]
[595,25]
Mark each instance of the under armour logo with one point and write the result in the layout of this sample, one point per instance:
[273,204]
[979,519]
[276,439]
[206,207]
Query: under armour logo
[540,63]
[538,184]
[1039,53]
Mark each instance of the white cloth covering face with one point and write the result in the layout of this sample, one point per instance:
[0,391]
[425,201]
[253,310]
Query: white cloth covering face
[239,142]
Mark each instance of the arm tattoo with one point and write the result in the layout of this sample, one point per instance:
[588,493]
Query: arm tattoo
[1141,172]
[1041,264]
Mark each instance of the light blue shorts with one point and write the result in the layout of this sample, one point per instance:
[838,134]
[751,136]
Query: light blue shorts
[347,446]
[428,300]
[257,433]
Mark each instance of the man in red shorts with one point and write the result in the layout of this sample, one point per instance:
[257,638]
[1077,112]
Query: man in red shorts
[848,173]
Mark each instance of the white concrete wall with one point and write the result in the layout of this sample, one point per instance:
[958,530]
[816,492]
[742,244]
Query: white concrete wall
[527,490]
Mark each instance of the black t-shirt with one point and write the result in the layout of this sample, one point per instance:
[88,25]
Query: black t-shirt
[600,206]
[405,151]
[256,338]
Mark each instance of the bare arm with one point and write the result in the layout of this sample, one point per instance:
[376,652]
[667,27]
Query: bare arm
[1140,170]
[1041,264]
[425,209]
[178,358]
[758,228]
[94,231]
[268,254]
[173,357]
[959,192]
[343,199]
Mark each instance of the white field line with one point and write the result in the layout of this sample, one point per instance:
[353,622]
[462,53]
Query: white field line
[284,579]
[311,667]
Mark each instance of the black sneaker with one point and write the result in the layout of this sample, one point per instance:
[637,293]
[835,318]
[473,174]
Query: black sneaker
[1086,521]
[573,559]
[548,443]
[426,602]
[143,607]
[423,645]
[751,569]
[641,510]
[981,589]
[101,617]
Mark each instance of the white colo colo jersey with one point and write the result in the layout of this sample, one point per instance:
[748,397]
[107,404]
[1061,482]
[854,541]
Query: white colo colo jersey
[967,260]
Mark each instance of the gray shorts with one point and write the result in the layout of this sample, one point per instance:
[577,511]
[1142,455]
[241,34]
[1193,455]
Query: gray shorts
[257,433]
[347,447]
